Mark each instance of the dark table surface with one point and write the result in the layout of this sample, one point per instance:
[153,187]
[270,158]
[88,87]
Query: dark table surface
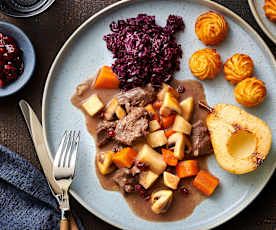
[48,32]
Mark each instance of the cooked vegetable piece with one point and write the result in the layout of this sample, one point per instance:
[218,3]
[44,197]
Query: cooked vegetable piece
[152,111]
[205,182]
[161,201]
[106,79]
[154,125]
[169,157]
[120,112]
[93,105]
[157,139]
[170,105]
[147,178]
[150,157]
[110,110]
[179,145]
[167,122]
[181,125]
[124,158]
[171,180]
[187,168]
[167,88]
[187,106]
[157,105]
[168,133]
[104,162]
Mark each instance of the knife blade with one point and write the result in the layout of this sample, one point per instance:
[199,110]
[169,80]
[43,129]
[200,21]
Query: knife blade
[36,131]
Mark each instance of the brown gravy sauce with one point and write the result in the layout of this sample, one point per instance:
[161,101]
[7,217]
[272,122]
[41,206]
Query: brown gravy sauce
[182,205]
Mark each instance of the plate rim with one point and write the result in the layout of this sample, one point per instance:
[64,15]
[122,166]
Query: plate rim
[102,12]
[260,22]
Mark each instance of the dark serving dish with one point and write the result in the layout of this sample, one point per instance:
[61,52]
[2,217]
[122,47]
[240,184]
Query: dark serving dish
[29,58]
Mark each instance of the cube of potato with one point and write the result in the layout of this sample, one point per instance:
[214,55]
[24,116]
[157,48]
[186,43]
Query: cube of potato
[171,180]
[120,112]
[166,88]
[147,178]
[187,106]
[170,105]
[111,109]
[157,138]
[154,125]
[152,158]
[93,105]
[104,162]
[181,125]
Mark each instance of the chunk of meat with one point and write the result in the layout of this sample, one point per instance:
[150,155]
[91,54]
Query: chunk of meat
[201,142]
[125,180]
[133,126]
[137,97]
[102,132]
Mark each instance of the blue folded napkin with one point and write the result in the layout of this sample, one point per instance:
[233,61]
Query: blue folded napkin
[26,201]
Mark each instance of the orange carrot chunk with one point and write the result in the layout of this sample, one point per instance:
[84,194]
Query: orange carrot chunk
[152,111]
[169,158]
[157,104]
[167,122]
[205,182]
[170,132]
[187,168]
[106,79]
[124,158]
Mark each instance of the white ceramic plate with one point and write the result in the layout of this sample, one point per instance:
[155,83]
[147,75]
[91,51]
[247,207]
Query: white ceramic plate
[85,52]
[267,26]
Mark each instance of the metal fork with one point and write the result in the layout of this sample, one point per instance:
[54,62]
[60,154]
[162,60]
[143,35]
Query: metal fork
[63,171]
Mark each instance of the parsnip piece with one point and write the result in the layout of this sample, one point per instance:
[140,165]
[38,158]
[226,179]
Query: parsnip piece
[187,106]
[93,105]
[166,88]
[178,140]
[150,157]
[147,178]
[181,125]
[154,125]
[171,180]
[157,138]
[170,105]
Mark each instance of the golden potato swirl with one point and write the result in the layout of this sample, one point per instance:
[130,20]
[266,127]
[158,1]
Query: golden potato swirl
[211,28]
[205,64]
[270,10]
[250,92]
[238,67]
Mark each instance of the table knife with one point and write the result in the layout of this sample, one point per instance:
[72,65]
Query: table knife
[45,158]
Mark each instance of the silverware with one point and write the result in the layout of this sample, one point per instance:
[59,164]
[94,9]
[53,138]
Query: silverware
[63,171]
[45,158]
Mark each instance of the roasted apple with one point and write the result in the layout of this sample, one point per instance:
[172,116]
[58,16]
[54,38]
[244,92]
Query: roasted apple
[240,140]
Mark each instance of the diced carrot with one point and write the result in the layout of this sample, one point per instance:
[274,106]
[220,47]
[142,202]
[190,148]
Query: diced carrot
[157,104]
[169,158]
[170,132]
[151,110]
[167,122]
[124,158]
[187,168]
[205,182]
[106,79]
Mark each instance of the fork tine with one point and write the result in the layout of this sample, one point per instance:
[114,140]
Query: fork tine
[74,154]
[66,149]
[60,149]
[69,152]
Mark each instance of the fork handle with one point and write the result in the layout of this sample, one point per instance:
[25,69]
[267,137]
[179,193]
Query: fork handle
[64,225]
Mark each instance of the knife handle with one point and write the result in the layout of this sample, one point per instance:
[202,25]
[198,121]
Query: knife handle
[64,225]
